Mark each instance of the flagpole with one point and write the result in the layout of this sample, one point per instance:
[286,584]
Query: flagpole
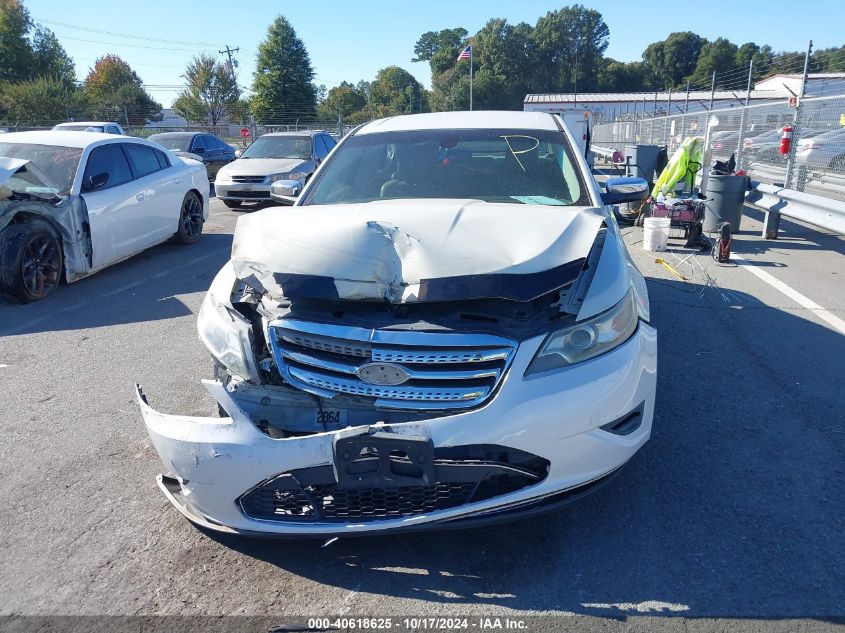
[470,78]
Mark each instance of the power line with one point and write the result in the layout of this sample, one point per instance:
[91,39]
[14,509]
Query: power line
[136,37]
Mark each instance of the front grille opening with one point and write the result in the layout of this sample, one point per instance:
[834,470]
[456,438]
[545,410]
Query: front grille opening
[464,474]
[441,373]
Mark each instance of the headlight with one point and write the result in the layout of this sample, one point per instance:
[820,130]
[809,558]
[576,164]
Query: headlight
[294,175]
[588,339]
[228,336]
[222,177]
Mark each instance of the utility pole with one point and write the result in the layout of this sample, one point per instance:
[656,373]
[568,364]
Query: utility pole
[228,52]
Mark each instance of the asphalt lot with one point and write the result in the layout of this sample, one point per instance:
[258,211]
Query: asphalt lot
[734,509]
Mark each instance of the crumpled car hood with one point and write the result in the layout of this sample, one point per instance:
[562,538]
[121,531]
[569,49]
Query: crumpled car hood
[10,166]
[414,250]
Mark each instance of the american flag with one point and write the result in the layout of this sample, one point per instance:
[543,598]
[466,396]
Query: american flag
[466,53]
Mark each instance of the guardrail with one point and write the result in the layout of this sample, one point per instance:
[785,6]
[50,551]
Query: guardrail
[806,207]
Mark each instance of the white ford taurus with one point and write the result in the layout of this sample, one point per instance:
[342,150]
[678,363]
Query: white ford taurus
[72,203]
[446,329]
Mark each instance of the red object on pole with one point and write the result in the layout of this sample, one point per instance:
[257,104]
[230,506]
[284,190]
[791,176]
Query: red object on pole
[785,140]
[244,132]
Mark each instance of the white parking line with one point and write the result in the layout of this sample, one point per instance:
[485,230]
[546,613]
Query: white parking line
[793,294]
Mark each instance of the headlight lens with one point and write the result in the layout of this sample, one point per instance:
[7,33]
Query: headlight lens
[587,339]
[222,177]
[294,175]
[228,336]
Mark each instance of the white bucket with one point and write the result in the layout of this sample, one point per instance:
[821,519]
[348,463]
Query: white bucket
[655,233]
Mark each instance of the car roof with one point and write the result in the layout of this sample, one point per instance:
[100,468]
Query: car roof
[86,123]
[178,134]
[65,139]
[482,119]
[302,133]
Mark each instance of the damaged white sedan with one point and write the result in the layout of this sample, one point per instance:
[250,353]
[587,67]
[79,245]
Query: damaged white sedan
[72,203]
[445,330]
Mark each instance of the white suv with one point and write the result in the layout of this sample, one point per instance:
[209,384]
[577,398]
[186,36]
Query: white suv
[445,330]
[105,127]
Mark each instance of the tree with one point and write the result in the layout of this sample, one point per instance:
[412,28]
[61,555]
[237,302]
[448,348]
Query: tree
[15,48]
[113,91]
[342,100]
[396,91]
[440,48]
[49,58]
[503,54]
[283,91]
[41,101]
[28,51]
[718,56]
[569,46]
[615,76]
[671,61]
[211,91]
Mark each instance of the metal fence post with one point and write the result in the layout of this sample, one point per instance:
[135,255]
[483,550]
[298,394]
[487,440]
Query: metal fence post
[796,127]
[666,120]
[741,138]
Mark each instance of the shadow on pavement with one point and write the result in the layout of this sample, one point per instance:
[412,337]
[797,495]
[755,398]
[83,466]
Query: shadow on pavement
[142,288]
[735,508]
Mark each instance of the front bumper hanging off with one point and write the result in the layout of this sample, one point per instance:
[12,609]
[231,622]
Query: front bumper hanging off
[541,442]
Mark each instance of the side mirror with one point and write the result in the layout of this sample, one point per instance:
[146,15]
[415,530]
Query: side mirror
[97,181]
[238,153]
[619,190]
[285,191]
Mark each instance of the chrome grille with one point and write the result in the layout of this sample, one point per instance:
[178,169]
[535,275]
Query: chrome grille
[444,371]
[248,179]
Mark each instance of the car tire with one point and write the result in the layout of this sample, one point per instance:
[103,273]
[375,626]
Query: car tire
[190,219]
[838,164]
[232,204]
[30,261]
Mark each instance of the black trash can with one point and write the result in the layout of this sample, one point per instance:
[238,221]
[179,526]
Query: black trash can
[725,199]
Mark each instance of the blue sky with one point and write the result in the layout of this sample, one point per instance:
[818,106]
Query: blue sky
[352,41]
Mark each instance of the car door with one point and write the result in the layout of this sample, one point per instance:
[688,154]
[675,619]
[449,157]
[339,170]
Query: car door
[113,206]
[218,155]
[320,149]
[162,191]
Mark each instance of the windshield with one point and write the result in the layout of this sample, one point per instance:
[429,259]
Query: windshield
[80,128]
[513,166]
[279,147]
[176,143]
[57,163]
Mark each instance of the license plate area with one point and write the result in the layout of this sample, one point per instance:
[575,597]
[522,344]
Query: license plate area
[381,459]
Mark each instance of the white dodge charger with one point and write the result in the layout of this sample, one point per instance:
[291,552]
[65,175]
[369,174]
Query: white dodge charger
[445,330]
[72,203]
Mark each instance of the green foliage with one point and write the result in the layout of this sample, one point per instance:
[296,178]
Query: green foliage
[211,93]
[718,56]
[342,100]
[672,60]
[39,101]
[113,92]
[283,91]
[28,51]
[396,91]
[440,48]
[617,76]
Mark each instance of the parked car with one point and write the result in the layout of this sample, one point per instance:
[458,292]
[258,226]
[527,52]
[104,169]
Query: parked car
[104,127]
[445,329]
[210,150]
[724,142]
[72,203]
[279,156]
[823,151]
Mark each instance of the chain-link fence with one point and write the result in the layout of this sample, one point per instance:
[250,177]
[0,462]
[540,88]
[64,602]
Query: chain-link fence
[230,133]
[814,164]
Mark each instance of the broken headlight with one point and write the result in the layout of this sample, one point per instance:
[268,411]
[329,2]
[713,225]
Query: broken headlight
[587,339]
[228,336]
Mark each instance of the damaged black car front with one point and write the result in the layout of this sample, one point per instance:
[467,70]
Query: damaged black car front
[446,329]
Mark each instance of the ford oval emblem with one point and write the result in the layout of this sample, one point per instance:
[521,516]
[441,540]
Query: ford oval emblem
[385,374]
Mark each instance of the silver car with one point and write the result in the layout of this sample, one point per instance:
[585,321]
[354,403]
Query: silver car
[289,156]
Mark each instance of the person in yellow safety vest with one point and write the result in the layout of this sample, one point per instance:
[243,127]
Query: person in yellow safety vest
[684,164]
